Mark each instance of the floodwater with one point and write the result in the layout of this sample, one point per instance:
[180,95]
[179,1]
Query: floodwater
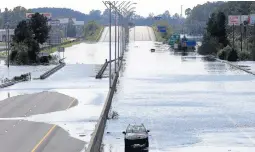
[76,79]
[188,103]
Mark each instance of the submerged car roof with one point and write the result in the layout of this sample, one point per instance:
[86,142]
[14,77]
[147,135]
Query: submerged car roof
[136,128]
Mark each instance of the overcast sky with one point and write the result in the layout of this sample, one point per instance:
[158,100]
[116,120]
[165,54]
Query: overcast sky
[143,7]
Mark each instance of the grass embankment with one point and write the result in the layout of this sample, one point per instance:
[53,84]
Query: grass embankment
[2,43]
[3,54]
[49,50]
[93,31]
[95,36]
[158,36]
[55,48]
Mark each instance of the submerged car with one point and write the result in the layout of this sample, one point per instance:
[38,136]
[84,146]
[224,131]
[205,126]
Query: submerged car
[136,136]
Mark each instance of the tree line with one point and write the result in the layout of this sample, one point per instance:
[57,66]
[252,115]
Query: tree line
[218,36]
[17,14]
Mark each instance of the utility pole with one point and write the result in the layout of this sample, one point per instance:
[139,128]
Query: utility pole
[8,42]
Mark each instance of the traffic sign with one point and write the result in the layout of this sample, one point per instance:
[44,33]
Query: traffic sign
[48,15]
[54,22]
[162,29]
[252,19]
[157,17]
[234,20]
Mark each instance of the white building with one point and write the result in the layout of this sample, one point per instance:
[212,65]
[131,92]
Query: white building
[78,24]
[3,35]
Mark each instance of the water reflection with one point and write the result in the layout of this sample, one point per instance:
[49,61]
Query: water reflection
[208,59]
[137,150]
[215,67]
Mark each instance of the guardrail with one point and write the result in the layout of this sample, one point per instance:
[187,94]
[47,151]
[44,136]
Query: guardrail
[56,45]
[97,136]
[101,71]
[51,71]
[235,66]
[22,78]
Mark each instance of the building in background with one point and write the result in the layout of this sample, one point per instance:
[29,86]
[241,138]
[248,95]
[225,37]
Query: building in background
[55,34]
[79,26]
[3,35]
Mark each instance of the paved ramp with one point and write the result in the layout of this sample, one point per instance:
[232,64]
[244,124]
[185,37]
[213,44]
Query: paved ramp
[23,136]
[141,33]
[106,32]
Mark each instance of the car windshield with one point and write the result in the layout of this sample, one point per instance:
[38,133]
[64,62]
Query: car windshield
[135,129]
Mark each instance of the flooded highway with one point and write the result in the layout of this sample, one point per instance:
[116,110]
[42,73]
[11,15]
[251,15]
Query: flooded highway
[77,80]
[187,103]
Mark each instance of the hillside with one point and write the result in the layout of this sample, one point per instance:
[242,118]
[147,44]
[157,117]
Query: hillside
[62,12]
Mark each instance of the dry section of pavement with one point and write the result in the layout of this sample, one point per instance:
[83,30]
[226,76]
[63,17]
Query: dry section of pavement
[22,136]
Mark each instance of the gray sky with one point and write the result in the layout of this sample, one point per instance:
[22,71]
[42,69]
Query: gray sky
[143,7]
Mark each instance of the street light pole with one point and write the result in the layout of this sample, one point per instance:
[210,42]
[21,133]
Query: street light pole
[118,39]
[110,45]
[115,40]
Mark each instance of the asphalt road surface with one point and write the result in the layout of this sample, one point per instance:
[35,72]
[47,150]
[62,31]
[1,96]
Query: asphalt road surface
[22,136]
[141,33]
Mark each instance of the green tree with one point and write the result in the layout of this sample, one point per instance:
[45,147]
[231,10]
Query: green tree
[188,12]
[71,29]
[91,30]
[29,34]
[221,33]
[38,24]
[22,32]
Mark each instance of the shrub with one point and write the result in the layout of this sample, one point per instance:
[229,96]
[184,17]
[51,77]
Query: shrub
[44,59]
[113,115]
[244,55]
[253,54]
[232,56]
[13,55]
[208,47]
[223,53]
[22,58]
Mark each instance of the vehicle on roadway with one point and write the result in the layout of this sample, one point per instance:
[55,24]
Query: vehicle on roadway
[136,137]
[152,50]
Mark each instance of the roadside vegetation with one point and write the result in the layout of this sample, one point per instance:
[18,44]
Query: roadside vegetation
[27,36]
[218,36]
[66,44]
[162,37]
[92,31]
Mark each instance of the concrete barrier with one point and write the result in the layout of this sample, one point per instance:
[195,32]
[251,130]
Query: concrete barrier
[12,82]
[7,84]
[51,71]
[101,71]
[235,66]
[97,136]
